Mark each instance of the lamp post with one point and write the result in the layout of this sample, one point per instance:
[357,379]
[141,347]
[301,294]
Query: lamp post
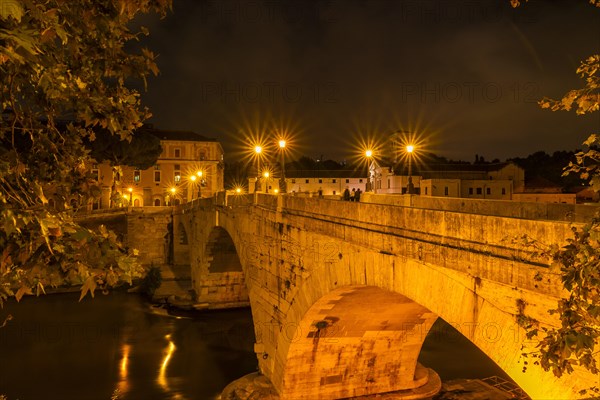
[282,183]
[410,188]
[369,155]
[266,175]
[257,153]
[130,190]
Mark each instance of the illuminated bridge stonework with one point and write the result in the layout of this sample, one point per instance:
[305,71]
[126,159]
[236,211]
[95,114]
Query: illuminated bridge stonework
[343,294]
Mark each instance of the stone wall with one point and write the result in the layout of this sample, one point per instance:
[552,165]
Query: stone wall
[148,230]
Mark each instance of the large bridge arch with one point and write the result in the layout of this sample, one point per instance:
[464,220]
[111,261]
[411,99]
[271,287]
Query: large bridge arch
[459,299]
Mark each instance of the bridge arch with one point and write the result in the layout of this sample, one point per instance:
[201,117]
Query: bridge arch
[219,279]
[433,291]
[359,340]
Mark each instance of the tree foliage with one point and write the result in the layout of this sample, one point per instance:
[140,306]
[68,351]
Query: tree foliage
[63,61]
[576,340]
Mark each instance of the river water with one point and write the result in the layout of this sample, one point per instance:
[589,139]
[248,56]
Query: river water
[58,348]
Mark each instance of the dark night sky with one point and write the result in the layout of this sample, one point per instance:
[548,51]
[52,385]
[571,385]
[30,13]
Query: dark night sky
[463,75]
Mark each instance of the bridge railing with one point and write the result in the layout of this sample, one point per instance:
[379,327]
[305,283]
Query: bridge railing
[498,208]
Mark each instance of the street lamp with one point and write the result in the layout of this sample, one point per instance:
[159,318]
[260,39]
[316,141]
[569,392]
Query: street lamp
[282,183]
[130,190]
[410,188]
[369,155]
[266,175]
[257,152]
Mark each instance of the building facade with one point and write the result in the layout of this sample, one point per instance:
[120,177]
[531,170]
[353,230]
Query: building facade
[190,166]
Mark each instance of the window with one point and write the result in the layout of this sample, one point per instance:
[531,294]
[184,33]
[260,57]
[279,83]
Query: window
[445,190]
[157,167]
[503,191]
[334,181]
[470,190]
[347,180]
[293,181]
[320,180]
[360,181]
[488,190]
[334,192]
[389,183]
[177,152]
[156,176]
[177,173]
[426,189]
[137,175]
[306,181]
[202,156]
[157,202]
[479,191]
[118,177]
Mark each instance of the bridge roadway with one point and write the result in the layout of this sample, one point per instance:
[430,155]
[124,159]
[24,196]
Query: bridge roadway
[343,294]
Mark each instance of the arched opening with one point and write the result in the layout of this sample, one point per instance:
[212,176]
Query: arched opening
[220,278]
[157,202]
[357,341]
[177,202]
[136,202]
[221,252]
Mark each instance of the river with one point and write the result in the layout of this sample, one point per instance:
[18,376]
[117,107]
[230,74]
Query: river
[58,348]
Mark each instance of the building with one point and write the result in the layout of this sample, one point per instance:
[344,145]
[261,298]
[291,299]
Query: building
[480,181]
[315,182]
[189,167]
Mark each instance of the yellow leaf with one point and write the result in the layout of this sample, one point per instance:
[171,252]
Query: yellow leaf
[23,290]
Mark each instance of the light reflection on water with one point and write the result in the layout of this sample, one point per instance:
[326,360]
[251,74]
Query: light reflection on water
[117,344]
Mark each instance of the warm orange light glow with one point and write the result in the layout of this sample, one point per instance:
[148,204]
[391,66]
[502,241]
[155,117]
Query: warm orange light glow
[125,196]
[130,190]
[238,190]
[193,178]
[173,190]
[282,143]
[258,149]
[410,148]
[266,174]
[199,173]
[162,374]
[369,153]
[276,191]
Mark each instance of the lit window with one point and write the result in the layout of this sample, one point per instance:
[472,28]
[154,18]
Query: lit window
[137,175]
[177,176]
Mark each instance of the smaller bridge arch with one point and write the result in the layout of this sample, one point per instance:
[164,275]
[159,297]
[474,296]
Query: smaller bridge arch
[219,280]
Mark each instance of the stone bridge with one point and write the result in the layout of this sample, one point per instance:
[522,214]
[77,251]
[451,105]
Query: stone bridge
[343,294]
